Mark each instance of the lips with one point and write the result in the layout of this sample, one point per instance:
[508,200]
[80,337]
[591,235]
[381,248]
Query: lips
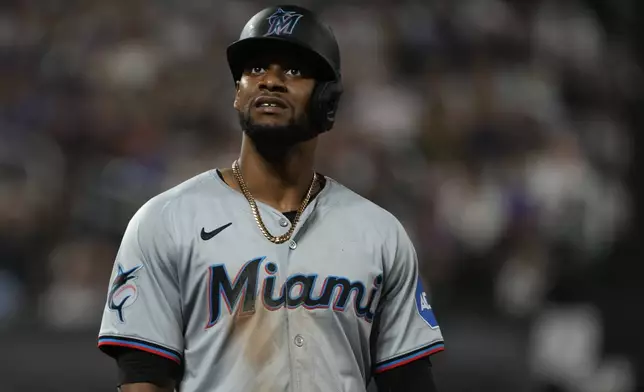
[270,102]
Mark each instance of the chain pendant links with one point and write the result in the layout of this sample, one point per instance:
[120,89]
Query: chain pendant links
[253,206]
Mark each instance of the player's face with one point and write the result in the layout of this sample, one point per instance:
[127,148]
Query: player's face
[272,97]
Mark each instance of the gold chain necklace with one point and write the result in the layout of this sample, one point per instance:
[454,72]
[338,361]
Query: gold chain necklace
[253,206]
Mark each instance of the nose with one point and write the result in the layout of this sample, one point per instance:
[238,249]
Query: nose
[273,80]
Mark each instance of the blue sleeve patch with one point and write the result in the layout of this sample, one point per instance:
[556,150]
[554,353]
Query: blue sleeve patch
[422,305]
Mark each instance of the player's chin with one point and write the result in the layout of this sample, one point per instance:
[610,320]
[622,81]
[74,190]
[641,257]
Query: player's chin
[271,119]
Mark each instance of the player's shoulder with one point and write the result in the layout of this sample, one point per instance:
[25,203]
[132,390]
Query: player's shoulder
[177,198]
[356,208]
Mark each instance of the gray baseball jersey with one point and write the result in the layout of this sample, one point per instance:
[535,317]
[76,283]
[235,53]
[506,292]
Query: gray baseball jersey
[196,282]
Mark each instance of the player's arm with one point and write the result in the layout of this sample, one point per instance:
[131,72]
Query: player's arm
[141,371]
[415,376]
[407,330]
[142,325]
[145,387]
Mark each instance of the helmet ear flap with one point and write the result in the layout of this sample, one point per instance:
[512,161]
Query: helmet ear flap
[324,104]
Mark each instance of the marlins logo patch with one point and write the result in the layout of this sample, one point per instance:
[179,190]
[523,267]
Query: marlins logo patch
[424,308]
[282,22]
[124,291]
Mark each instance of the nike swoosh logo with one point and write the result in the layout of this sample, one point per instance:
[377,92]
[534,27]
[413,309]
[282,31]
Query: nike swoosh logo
[208,235]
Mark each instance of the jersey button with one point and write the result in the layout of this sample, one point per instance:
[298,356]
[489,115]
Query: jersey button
[292,244]
[283,222]
[299,340]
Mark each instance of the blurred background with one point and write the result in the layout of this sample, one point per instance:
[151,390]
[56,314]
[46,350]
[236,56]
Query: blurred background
[501,133]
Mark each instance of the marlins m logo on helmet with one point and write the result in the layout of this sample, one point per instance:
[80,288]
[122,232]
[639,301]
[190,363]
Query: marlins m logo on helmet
[282,22]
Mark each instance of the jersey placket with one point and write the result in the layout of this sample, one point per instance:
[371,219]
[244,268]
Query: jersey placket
[298,343]
[288,261]
[286,254]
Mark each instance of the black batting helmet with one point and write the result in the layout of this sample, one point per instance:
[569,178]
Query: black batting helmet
[299,29]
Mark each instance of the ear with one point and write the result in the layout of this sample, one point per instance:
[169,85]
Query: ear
[236,102]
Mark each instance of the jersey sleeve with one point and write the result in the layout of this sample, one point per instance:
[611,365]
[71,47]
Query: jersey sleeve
[143,307]
[407,327]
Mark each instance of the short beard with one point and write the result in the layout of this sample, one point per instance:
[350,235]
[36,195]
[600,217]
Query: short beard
[275,142]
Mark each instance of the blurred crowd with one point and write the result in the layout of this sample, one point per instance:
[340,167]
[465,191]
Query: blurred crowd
[495,130]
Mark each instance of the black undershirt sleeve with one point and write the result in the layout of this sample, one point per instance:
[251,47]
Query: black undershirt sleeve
[415,376]
[135,366]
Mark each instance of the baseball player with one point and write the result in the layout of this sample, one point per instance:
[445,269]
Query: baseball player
[269,276]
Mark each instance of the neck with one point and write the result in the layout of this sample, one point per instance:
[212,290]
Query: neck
[280,179]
